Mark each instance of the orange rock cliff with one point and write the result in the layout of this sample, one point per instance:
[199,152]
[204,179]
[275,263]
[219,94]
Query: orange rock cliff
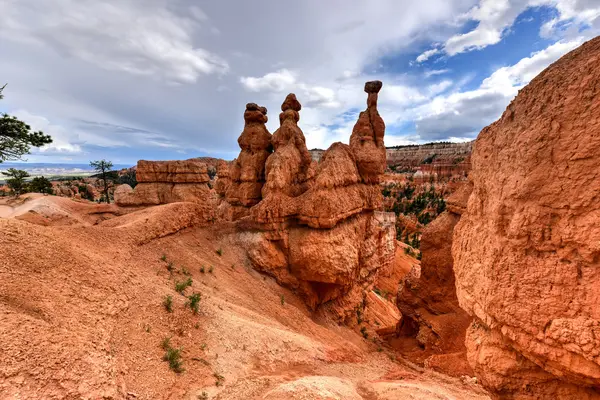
[526,250]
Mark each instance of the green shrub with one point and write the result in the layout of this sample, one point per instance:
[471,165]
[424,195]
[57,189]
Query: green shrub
[181,286]
[173,357]
[220,252]
[163,258]
[194,301]
[202,269]
[168,303]
[170,267]
[210,270]
[282,298]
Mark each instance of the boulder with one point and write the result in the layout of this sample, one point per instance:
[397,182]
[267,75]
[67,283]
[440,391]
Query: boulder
[526,250]
[163,182]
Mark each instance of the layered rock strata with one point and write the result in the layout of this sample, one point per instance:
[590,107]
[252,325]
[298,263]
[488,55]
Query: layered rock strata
[162,182]
[526,251]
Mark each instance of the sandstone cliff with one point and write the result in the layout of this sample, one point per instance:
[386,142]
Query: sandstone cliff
[526,251]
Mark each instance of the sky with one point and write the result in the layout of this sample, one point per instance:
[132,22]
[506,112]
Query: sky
[126,80]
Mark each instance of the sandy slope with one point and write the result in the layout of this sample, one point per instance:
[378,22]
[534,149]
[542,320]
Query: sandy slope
[81,316]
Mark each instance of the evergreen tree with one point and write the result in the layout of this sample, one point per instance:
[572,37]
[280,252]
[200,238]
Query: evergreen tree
[40,185]
[16,181]
[16,137]
[103,167]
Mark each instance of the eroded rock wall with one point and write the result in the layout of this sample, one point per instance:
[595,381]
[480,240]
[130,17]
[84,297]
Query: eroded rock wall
[427,295]
[527,249]
[162,182]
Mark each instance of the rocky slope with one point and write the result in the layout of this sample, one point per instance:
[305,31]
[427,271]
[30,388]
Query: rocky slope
[526,251]
[83,315]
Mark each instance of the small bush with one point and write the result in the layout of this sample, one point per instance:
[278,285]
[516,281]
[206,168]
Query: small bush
[220,252]
[181,286]
[282,298]
[164,257]
[220,378]
[185,271]
[168,303]
[166,343]
[194,301]
[202,269]
[203,396]
[363,330]
[170,267]
[173,357]
[210,270]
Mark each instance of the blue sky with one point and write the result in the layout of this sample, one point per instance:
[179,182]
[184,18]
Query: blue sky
[168,79]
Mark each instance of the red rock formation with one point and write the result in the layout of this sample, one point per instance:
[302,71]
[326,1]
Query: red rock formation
[366,140]
[288,169]
[337,192]
[427,296]
[223,178]
[526,253]
[316,229]
[247,172]
[162,182]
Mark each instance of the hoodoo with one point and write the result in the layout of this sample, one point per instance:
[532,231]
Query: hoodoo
[247,173]
[317,228]
[526,251]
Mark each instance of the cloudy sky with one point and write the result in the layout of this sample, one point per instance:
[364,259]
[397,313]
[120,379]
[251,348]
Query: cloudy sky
[169,79]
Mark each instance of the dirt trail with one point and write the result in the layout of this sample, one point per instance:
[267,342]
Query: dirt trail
[82,316]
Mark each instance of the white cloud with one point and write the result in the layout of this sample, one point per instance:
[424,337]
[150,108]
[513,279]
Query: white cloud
[134,36]
[63,141]
[463,114]
[495,17]
[278,81]
[426,55]
[526,69]
[286,81]
[435,72]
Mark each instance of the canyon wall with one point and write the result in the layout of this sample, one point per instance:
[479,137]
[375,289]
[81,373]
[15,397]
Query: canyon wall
[427,295]
[414,155]
[527,249]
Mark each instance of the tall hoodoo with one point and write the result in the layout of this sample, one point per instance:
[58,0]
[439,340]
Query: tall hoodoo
[247,172]
[287,169]
[527,249]
[366,141]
